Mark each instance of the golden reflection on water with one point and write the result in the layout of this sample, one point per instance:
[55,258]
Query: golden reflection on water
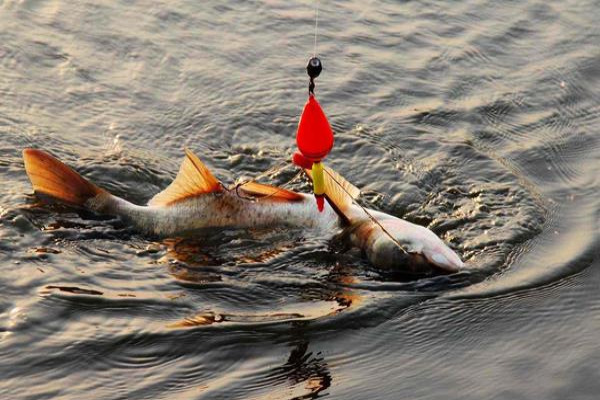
[184,255]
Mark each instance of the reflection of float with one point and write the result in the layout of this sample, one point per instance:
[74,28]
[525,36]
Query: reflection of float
[307,372]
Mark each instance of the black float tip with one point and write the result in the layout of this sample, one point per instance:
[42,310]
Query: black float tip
[314,67]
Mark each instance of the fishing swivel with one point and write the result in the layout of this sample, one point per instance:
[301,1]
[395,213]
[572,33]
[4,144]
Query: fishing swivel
[313,69]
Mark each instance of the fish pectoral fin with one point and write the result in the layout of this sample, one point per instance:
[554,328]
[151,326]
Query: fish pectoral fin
[193,179]
[262,191]
[338,191]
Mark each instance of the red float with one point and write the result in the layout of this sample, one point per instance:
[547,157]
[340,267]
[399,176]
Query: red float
[314,137]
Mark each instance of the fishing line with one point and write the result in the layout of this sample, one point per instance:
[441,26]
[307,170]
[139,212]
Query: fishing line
[280,188]
[272,170]
[316,25]
[284,164]
[371,217]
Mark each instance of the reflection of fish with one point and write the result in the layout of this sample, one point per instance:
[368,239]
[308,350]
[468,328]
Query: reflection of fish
[197,200]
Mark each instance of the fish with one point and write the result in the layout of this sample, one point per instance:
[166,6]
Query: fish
[196,200]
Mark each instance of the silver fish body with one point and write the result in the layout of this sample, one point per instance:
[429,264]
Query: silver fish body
[196,200]
[392,241]
[228,210]
[217,210]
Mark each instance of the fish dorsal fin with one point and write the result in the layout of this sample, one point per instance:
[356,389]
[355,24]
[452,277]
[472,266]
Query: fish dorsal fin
[193,179]
[274,193]
[339,191]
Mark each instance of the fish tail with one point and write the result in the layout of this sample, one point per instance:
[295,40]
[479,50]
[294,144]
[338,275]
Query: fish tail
[51,177]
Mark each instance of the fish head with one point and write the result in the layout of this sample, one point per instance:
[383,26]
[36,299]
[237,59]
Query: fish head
[385,252]
[393,243]
[439,254]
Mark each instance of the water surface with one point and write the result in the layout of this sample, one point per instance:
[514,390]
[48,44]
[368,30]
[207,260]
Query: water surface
[478,119]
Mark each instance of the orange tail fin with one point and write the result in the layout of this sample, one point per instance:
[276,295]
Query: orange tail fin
[51,177]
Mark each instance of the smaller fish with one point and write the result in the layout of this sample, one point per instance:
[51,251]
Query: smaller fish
[196,200]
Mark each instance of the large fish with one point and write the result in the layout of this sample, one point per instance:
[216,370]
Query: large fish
[196,200]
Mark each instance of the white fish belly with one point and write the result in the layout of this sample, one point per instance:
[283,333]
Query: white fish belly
[220,211]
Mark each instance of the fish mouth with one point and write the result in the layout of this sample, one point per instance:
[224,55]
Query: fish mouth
[385,254]
[419,263]
[413,268]
[446,260]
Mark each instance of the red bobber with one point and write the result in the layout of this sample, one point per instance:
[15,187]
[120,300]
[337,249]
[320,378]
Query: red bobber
[314,137]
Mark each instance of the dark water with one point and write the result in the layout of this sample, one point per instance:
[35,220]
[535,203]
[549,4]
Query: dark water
[477,118]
